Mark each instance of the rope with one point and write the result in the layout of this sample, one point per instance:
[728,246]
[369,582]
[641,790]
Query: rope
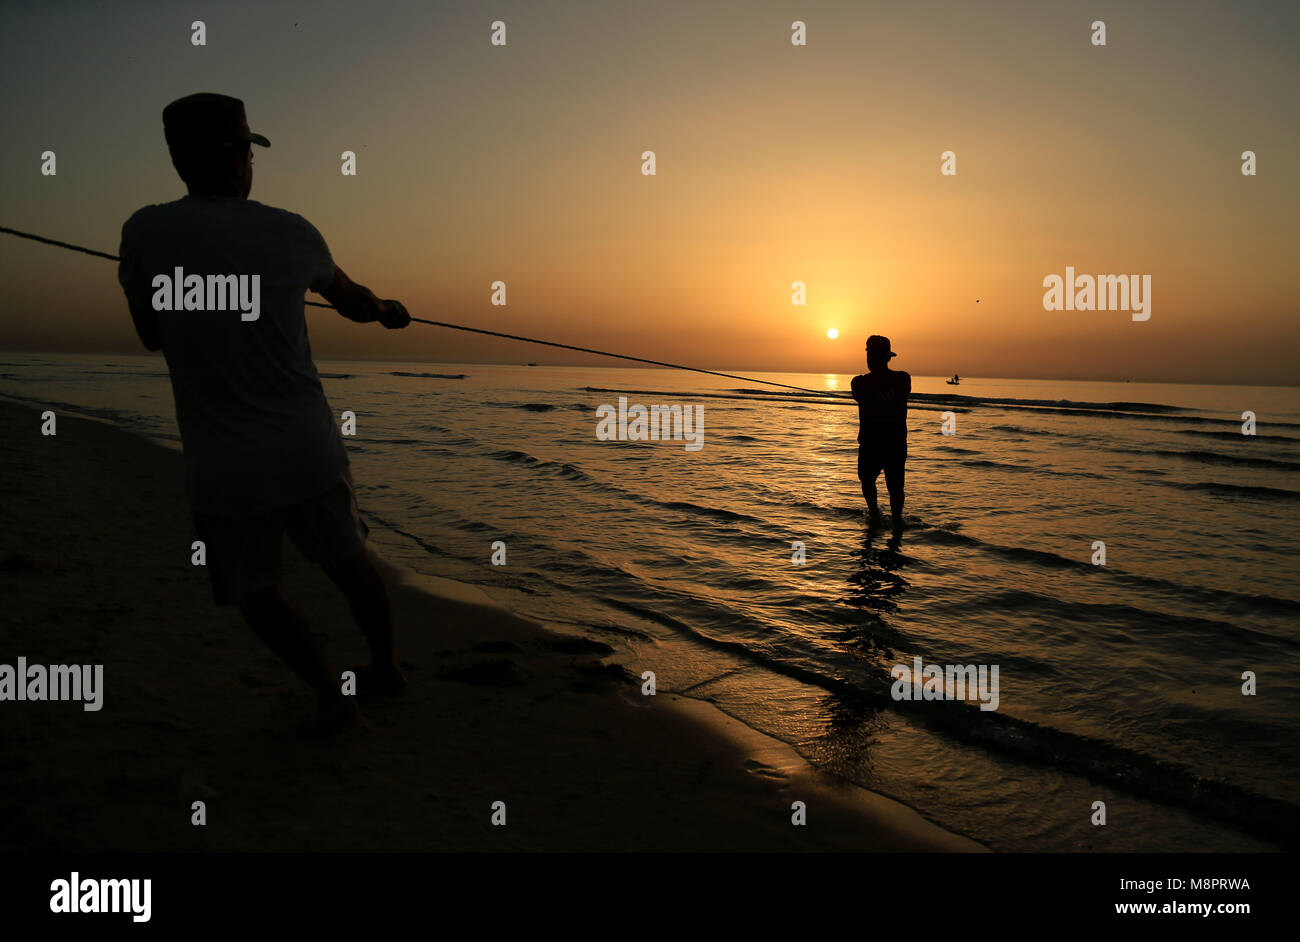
[62,245]
[479,330]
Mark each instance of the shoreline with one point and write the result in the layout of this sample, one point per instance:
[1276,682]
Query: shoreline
[95,568]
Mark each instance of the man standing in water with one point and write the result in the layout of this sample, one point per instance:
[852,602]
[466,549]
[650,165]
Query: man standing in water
[881,394]
[263,452]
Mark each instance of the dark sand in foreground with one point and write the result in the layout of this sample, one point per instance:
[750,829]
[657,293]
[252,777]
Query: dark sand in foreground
[95,568]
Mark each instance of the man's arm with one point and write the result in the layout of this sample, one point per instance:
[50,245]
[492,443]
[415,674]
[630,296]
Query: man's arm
[146,324]
[139,298]
[358,303]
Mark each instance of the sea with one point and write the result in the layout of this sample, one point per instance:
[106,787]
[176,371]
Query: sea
[1123,553]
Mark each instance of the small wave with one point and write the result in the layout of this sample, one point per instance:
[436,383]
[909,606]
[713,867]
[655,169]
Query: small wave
[447,438]
[535,406]
[574,473]
[122,373]
[1021,430]
[1231,603]
[418,541]
[1214,457]
[828,399]
[1042,557]
[1242,490]
[1048,403]
[777,391]
[1003,466]
[125,419]
[428,375]
[1182,630]
[717,513]
[562,469]
[1237,436]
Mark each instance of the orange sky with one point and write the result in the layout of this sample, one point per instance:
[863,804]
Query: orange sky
[775,164]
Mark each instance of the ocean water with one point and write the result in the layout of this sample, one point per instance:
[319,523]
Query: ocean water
[1119,683]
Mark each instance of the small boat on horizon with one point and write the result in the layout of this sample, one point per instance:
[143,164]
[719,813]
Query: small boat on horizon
[955,381]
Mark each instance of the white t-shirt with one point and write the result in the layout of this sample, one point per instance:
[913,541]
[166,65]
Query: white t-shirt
[257,429]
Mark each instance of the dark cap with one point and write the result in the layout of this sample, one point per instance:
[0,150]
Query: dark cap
[206,120]
[880,345]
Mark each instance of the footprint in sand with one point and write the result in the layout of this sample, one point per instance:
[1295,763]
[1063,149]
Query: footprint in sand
[758,768]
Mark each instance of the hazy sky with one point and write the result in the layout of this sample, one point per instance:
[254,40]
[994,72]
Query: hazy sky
[775,163]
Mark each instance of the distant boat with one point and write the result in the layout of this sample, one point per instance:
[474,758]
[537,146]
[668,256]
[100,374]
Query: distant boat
[955,381]
[532,364]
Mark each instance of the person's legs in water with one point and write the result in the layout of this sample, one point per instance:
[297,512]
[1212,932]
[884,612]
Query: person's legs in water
[894,474]
[868,471]
[287,634]
[873,507]
[364,589]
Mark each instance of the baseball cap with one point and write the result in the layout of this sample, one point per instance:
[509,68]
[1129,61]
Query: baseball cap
[207,119]
[879,344]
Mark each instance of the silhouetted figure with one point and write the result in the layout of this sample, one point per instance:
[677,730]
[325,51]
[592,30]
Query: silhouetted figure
[263,453]
[881,394]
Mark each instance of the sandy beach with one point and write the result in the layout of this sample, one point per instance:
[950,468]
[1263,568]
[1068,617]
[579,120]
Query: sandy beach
[95,569]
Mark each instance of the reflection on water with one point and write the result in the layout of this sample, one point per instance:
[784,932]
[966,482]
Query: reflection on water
[876,579]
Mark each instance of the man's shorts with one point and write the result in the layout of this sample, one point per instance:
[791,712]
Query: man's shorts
[872,459]
[243,553]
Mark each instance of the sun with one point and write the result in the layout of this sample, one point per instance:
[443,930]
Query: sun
[832,333]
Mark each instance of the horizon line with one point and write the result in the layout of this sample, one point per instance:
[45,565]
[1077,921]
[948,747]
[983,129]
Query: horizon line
[597,366]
